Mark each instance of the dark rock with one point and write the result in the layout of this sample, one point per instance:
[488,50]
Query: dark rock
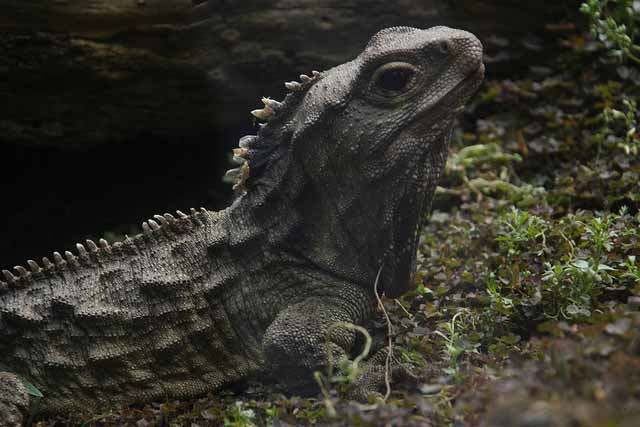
[78,73]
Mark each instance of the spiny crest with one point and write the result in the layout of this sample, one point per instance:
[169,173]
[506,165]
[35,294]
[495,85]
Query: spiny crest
[252,148]
[305,82]
[238,176]
[90,252]
[271,107]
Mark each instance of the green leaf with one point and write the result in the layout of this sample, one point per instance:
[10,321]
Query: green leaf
[31,389]
[605,267]
[581,264]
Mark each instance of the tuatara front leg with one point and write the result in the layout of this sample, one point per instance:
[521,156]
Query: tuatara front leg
[14,400]
[295,344]
[299,340]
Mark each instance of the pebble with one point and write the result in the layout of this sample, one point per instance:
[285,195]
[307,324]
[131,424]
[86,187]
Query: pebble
[633,301]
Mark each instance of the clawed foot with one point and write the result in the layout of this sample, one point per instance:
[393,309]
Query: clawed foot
[375,377]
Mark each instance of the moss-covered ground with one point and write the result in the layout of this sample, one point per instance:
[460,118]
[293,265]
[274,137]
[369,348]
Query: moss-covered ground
[527,305]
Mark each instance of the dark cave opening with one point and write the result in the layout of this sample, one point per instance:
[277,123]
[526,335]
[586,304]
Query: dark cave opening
[54,197]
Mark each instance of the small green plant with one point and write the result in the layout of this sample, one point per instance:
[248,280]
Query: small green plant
[455,342]
[499,302]
[616,24]
[631,269]
[518,230]
[573,287]
[271,414]
[599,234]
[411,356]
[474,156]
[524,195]
[239,416]
[505,344]
[569,284]
[619,126]
[630,142]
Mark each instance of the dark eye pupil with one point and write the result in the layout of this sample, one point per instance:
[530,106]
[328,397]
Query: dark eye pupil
[395,79]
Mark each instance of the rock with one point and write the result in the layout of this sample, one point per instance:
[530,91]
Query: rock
[103,71]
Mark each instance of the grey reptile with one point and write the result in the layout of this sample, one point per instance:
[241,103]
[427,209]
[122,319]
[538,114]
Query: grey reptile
[333,189]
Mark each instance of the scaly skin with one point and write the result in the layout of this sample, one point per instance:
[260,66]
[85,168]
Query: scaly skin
[331,191]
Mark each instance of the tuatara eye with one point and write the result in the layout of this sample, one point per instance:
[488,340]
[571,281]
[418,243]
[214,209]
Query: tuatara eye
[394,77]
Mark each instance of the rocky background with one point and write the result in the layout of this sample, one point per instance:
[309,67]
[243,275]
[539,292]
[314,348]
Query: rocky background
[115,110]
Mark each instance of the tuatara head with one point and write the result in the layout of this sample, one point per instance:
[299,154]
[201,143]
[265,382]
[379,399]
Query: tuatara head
[358,149]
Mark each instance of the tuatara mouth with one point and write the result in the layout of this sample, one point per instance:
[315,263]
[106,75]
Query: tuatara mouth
[477,76]
[453,101]
[466,87]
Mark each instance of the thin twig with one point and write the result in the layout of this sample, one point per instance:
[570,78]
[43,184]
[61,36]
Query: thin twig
[328,404]
[353,371]
[409,315]
[356,362]
[387,363]
[570,242]
[633,57]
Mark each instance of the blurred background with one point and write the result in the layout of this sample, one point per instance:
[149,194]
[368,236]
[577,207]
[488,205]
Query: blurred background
[115,110]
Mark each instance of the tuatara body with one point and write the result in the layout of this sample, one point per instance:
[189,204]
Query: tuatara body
[331,195]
